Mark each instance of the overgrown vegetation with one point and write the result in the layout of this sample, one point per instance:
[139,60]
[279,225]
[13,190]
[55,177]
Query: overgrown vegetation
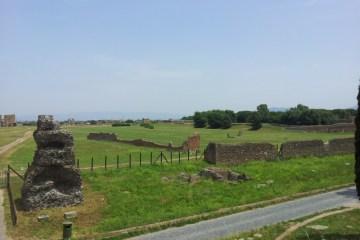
[147,125]
[120,124]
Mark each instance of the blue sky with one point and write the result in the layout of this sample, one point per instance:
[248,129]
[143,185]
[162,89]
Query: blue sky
[177,56]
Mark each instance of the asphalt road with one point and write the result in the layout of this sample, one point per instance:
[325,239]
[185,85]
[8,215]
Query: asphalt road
[256,218]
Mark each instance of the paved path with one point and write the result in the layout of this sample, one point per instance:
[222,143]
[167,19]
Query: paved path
[2,222]
[13,144]
[253,219]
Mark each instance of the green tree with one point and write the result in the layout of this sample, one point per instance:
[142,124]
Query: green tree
[263,112]
[242,116]
[200,120]
[255,121]
[218,119]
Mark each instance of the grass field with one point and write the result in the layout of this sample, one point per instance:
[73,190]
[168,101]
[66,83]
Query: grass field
[9,134]
[120,198]
[341,226]
[163,133]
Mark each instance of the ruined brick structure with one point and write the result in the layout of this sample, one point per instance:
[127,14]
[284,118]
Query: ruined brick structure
[341,146]
[102,137]
[239,153]
[302,149]
[8,120]
[52,179]
[191,144]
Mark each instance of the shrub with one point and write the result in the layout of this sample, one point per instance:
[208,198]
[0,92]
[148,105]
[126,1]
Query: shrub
[255,121]
[147,125]
[200,120]
[120,124]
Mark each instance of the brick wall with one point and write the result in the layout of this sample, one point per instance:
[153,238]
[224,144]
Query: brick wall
[341,146]
[302,149]
[239,153]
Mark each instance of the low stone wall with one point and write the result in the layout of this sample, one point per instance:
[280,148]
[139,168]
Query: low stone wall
[144,143]
[239,153]
[191,144]
[341,146]
[340,127]
[102,137]
[302,149]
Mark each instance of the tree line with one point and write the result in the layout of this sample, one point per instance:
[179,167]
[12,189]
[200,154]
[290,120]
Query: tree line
[299,115]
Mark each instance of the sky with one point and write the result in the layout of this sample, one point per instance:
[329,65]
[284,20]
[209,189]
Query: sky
[177,57]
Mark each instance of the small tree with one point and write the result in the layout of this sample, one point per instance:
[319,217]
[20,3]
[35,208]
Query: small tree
[255,121]
[200,120]
[357,147]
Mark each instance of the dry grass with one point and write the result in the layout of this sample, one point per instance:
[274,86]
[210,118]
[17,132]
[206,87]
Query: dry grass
[89,214]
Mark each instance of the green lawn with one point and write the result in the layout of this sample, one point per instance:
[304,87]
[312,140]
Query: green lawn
[151,194]
[9,134]
[163,133]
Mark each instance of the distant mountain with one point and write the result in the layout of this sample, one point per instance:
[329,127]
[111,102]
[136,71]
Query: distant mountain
[83,116]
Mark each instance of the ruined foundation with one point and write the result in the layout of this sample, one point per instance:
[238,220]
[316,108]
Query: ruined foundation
[51,180]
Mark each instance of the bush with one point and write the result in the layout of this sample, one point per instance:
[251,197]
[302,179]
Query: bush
[200,120]
[120,124]
[129,121]
[147,125]
[255,121]
[219,119]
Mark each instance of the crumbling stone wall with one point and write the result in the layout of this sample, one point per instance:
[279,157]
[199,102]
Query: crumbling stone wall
[341,146]
[192,143]
[239,153]
[339,127]
[51,180]
[302,149]
[102,137]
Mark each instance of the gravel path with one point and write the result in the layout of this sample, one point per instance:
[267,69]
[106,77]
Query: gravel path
[9,146]
[253,219]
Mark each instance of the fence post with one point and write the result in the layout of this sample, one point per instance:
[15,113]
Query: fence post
[188,153]
[28,164]
[130,160]
[117,161]
[179,157]
[161,157]
[150,158]
[171,157]
[105,162]
[78,163]
[92,163]
[140,159]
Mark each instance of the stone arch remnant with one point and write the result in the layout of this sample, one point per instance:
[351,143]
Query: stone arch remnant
[52,179]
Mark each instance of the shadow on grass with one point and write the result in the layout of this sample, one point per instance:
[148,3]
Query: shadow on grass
[18,204]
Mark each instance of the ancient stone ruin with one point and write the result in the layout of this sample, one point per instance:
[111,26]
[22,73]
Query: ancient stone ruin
[191,144]
[218,174]
[52,179]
